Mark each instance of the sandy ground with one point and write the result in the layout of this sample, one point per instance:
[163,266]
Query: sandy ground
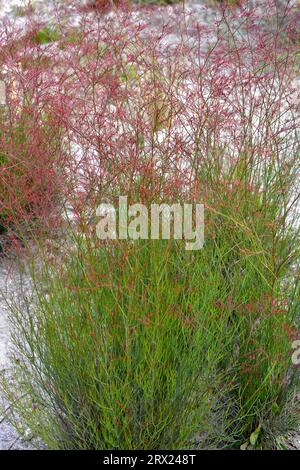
[9,438]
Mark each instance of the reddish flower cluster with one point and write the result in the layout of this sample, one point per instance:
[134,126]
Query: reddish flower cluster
[116,106]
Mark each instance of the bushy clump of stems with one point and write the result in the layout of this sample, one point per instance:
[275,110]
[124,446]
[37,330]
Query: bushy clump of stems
[143,345]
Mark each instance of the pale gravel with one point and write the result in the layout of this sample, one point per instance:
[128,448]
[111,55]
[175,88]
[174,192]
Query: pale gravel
[9,437]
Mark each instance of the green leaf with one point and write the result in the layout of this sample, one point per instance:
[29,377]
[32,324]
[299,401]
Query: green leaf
[131,73]
[255,435]
[275,408]
[46,35]
[244,446]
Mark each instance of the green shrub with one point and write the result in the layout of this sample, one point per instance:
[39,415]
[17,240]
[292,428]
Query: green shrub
[146,346]
[122,371]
